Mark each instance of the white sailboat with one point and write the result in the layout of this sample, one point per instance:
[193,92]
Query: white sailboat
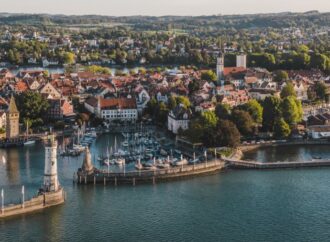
[4,161]
[28,141]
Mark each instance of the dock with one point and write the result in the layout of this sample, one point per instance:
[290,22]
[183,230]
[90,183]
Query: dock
[243,164]
[148,176]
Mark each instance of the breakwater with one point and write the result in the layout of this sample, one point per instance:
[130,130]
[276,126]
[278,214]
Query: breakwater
[149,176]
[37,203]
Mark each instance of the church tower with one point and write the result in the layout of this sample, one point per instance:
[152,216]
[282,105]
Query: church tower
[220,66]
[12,120]
[51,183]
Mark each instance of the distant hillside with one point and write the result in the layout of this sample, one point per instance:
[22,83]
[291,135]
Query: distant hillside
[279,20]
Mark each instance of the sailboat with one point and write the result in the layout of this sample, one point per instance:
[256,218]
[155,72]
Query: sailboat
[4,161]
[28,141]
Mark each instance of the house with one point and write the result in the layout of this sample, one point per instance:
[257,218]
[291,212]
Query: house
[178,118]
[319,131]
[59,109]
[261,94]
[3,120]
[50,91]
[122,109]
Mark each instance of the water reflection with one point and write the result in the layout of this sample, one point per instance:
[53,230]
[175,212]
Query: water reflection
[13,166]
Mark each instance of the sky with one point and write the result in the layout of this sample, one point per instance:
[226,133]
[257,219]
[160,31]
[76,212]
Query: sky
[161,7]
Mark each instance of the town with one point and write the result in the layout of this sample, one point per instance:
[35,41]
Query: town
[158,119]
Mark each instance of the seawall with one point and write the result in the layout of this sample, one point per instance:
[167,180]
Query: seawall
[37,203]
[136,177]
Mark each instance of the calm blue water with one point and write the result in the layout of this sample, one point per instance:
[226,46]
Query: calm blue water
[278,205]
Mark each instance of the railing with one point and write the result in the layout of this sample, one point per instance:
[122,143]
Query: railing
[161,171]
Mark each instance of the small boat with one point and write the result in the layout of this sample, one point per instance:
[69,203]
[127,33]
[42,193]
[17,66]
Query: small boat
[317,157]
[29,142]
[125,144]
[120,161]
[138,165]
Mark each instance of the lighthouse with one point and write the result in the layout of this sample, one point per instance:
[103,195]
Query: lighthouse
[51,183]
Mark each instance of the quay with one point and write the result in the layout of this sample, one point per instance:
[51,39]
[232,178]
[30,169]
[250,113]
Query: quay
[90,175]
[243,164]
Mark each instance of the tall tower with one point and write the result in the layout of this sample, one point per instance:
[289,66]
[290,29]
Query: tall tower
[241,60]
[51,183]
[12,120]
[220,66]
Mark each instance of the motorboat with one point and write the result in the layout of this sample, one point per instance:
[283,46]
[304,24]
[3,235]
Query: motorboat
[182,162]
[29,142]
[138,165]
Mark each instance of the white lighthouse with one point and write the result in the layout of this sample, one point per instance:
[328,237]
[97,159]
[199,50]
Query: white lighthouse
[51,183]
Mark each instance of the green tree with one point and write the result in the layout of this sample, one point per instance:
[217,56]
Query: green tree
[254,108]
[280,76]
[281,128]
[33,108]
[69,58]
[184,101]
[227,134]
[288,90]
[321,91]
[223,111]
[209,119]
[209,76]
[171,102]
[243,121]
[291,110]
[271,110]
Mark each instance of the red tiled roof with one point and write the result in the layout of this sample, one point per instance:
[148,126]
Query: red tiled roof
[233,70]
[118,103]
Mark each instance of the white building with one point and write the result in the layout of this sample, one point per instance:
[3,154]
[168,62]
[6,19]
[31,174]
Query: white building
[319,131]
[178,118]
[122,109]
[241,61]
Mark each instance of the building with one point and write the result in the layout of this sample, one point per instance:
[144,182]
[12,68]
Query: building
[178,118]
[121,109]
[319,131]
[12,120]
[241,61]
[59,109]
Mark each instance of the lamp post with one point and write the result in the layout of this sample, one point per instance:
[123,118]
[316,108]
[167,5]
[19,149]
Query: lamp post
[23,193]
[2,202]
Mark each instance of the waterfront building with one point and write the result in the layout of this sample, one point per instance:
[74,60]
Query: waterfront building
[12,120]
[121,109]
[241,60]
[60,109]
[178,118]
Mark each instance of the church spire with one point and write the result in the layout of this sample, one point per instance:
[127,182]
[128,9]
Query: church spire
[12,106]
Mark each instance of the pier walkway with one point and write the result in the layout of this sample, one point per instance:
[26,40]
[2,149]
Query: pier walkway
[149,176]
[243,164]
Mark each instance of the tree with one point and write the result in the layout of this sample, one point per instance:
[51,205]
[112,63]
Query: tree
[288,90]
[254,108]
[280,76]
[209,76]
[321,91]
[33,108]
[171,103]
[184,101]
[223,111]
[227,134]
[281,128]
[271,110]
[291,110]
[209,119]
[69,58]
[243,121]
